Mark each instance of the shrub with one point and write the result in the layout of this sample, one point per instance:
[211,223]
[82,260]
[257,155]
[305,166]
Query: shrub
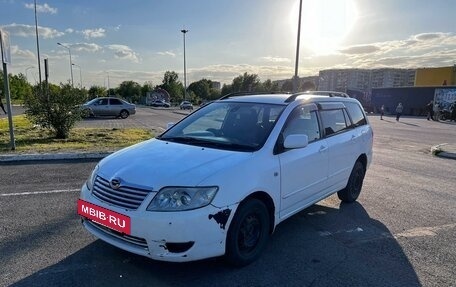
[57,109]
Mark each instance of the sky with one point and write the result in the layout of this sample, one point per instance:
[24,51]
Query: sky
[115,41]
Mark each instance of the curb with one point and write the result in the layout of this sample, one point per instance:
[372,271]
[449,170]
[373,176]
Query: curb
[55,156]
[441,150]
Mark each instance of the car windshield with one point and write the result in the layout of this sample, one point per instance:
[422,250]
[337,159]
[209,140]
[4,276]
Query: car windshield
[227,125]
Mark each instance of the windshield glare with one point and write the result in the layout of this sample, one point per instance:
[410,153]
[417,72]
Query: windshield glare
[227,125]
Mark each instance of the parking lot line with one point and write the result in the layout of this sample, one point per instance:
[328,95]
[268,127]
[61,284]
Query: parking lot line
[40,192]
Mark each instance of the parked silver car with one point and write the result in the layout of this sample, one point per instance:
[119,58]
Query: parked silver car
[186,105]
[109,106]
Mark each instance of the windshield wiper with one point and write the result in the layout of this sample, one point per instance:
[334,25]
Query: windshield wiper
[209,143]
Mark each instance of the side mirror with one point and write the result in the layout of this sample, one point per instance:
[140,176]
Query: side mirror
[169,125]
[296,141]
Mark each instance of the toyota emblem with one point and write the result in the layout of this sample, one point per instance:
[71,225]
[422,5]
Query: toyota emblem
[115,183]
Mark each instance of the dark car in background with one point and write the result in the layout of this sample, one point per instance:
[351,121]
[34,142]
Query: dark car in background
[109,106]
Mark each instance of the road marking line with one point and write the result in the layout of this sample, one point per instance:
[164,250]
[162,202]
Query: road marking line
[40,192]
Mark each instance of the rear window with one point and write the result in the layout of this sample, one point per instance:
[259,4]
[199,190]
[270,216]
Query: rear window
[334,121]
[356,113]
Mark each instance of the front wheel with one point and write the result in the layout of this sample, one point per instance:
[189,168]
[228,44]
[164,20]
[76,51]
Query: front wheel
[351,192]
[124,114]
[248,233]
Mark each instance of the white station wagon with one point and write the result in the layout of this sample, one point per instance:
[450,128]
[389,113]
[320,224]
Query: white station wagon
[219,181]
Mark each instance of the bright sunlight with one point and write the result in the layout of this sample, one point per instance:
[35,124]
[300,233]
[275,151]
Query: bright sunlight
[324,23]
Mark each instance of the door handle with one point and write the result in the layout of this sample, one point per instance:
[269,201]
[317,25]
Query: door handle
[322,148]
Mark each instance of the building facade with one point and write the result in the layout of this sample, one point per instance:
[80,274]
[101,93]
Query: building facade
[443,76]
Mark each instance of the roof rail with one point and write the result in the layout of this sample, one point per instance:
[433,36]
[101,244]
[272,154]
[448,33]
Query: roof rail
[235,94]
[318,93]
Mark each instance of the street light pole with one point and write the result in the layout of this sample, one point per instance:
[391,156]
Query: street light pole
[80,75]
[185,67]
[37,45]
[295,80]
[71,63]
[26,70]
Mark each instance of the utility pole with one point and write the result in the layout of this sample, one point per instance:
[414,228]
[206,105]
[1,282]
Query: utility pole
[37,45]
[295,79]
[5,55]
[185,68]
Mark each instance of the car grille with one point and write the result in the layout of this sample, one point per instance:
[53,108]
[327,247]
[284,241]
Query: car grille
[137,241]
[125,196]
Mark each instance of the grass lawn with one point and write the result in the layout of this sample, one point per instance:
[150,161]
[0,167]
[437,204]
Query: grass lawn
[32,139]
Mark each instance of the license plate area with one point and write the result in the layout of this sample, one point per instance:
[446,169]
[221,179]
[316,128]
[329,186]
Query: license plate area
[105,217]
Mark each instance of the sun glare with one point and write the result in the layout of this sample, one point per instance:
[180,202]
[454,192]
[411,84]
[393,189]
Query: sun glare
[324,23]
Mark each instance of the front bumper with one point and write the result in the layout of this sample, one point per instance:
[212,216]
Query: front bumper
[167,236]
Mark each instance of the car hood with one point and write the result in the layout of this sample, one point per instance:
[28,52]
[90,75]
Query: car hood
[156,163]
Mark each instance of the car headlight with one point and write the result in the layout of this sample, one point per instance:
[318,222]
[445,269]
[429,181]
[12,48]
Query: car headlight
[182,198]
[91,178]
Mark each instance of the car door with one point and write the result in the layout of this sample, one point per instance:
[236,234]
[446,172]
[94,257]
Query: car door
[98,107]
[342,144]
[115,106]
[303,170]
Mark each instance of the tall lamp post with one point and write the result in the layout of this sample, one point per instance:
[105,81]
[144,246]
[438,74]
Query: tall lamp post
[26,70]
[185,67]
[71,63]
[37,44]
[295,80]
[80,75]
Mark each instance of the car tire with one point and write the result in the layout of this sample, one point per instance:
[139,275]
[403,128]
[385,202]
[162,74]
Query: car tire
[124,114]
[248,233]
[355,182]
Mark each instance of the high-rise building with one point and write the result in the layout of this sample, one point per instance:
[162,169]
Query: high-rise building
[365,79]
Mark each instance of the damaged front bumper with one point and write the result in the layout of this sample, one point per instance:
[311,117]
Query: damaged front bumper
[167,236]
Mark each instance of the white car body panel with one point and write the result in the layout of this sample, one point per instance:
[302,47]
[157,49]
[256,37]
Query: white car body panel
[293,179]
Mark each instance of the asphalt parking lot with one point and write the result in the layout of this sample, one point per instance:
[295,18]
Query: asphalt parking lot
[400,233]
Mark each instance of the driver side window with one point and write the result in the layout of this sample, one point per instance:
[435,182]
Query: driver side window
[303,121]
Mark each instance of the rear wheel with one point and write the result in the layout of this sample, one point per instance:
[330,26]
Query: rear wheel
[124,114]
[248,233]
[351,192]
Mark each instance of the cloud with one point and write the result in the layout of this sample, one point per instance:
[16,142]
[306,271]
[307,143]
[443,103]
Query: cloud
[429,36]
[22,54]
[45,8]
[275,59]
[117,28]
[69,30]
[167,53]
[124,52]
[361,49]
[93,33]
[23,30]
[420,50]
[87,47]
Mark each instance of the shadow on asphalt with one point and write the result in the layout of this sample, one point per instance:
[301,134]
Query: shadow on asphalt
[320,246]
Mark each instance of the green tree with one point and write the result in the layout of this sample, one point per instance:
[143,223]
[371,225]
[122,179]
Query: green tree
[173,86]
[287,86]
[308,86]
[57,109]
[130,90]
[96,91]
[147,87]
[19,86]
[201,89]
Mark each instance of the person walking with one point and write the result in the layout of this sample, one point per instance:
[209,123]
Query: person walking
[430,110]
[399,110]
[382,112]
[1,105]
